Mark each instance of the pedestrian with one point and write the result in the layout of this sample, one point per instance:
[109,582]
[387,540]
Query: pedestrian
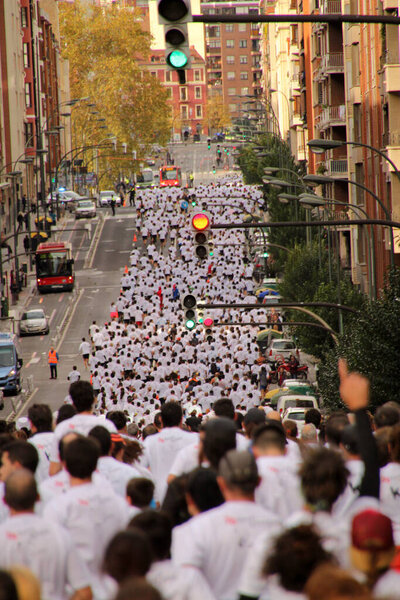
[132,194]
[74,375]
[113,204]
[26,221]
[24,203]
[85,349]
[53,360]
[27,244]
[20,219]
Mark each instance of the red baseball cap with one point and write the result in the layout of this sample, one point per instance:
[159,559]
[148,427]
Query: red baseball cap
[372,531]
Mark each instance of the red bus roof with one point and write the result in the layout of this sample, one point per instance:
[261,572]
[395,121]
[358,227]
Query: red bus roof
[48,246]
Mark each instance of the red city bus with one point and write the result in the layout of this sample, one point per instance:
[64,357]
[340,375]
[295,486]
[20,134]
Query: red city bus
[54,267]
[170,176]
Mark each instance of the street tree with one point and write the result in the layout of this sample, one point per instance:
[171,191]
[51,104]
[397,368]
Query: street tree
[217,114]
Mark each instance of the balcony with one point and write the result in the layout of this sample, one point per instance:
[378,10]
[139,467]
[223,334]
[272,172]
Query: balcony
[391,144]
[333,62]
[336,167]
[331,7]
[332,116]
[215,51]
[392,78]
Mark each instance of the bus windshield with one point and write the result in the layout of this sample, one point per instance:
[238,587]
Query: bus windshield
[145,177]
[169,173]
[7,356]
[53,264]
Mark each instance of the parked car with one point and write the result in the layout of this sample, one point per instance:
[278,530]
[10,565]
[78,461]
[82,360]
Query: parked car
[33,321]
[296,414]
[105,196]
[295,401]
[10,364]
[281,348]
[85,208]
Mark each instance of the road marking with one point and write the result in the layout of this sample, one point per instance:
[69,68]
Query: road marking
[61,298]
[70,319]
[41,300]
[26,403]
[52,316]
[89,266]
[31,359]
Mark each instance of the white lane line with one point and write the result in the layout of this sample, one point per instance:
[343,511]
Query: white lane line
[52,316]
[89,266]
[23,407]
[31,359]
[61,298]
[70,319]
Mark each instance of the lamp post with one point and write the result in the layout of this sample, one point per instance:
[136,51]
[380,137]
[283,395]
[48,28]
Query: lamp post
[14,175]
[321,179]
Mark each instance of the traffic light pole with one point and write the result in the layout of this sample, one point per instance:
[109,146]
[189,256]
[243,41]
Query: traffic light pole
[271,18]
[332,223]
[253,305]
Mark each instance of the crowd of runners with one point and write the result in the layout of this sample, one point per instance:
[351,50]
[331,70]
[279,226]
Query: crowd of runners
[163,476]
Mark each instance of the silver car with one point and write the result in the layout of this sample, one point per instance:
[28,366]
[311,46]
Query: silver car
[105,198]
[85,208]
[33,322]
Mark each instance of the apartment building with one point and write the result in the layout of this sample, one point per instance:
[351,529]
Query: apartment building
[187,102]
[233,57]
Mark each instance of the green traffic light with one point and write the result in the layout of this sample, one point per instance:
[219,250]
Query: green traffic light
[211,252]
[177,59]
[190,324]
[193,202]
[265,255]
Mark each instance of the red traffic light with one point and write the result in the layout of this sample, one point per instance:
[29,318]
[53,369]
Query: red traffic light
[200,222]
[208,322]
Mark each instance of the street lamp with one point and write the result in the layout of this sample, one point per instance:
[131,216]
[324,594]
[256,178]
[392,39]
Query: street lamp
[322,179]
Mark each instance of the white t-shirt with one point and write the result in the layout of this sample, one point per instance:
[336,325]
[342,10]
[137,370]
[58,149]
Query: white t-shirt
[178,583]
[117,473]
[160,451]
[92,514]
[80,423]
[85,348]
[42,442]
[218,541]
[47,550]
[390,496]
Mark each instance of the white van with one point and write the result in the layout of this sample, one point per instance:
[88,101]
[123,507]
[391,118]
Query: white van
[296,401]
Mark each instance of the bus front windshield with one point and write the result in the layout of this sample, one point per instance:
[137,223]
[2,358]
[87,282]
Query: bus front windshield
[7,356]
[53,264]
[169,174]
[145,177]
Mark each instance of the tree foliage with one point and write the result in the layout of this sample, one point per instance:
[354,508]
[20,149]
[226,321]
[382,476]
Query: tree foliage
[370,345]
[307,278]
[217,114]
[104,47]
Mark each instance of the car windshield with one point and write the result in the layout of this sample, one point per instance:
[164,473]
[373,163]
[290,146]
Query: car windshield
[299,403]
[7,356]
[281,345]
[145,177]
[32,314]
[71,194]
[169,173]
[85,204]
[106,194]
[296,416]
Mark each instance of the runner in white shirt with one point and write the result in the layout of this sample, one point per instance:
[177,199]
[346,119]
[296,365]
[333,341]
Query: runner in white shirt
[43,547]
[161,449]
[74,375]
[82,396]
[217,541]
[41,426]
[85,349]
[92,514]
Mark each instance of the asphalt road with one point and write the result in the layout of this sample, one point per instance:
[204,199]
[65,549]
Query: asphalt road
[99,263]
[196,158]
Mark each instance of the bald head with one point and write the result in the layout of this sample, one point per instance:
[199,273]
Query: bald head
[21,491]
[309,433]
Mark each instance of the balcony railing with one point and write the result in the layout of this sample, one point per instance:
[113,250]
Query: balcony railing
[331,7]
[337,167]
[333,115]
[391,139]
[333,62]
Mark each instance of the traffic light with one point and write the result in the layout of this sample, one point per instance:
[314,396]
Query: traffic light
[208,323]
[209,143]
[189,306]
[213,170]
[175,15]
[201,223]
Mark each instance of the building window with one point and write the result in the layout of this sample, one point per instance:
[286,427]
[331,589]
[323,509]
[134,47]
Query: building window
[24,16]
[230,43]
[231,91]
[183,93]
[214,44]
[197,93]
[153,73]
[167,75]
[242,26]
[197,75]
[28,133]
[231,75]
[230,60]
[229,27]
[243,60]
[28,95]
[232,107]
[184,112]
[169,92]
[243,75]
[244,91]
[242,43]
[199,111]
[213,31]
[26,56]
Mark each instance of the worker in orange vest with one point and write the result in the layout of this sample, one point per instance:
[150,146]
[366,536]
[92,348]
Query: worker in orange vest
[53,360]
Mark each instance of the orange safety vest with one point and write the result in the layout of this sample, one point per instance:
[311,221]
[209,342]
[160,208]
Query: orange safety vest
[53,360]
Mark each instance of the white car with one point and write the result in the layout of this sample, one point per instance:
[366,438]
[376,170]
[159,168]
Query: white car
[296,414]
[65,197]
[105,198]
[281,348]
[85,208]
[295,401]
[33,321]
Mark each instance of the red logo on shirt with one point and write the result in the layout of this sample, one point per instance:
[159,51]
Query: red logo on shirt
[230,521]
[83,502]
[71,426]
[161,440]
[11,536]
